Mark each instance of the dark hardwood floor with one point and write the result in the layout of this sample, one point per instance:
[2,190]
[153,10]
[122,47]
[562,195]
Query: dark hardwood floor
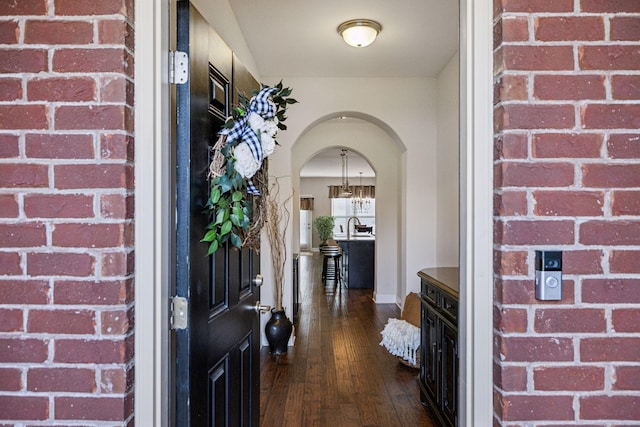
[337,374]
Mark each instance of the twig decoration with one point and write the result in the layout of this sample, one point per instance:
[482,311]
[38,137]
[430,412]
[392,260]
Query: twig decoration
[277,221]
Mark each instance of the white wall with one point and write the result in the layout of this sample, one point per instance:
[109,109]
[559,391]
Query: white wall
[447,153]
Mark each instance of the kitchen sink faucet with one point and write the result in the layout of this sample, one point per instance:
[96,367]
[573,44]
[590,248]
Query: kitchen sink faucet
[349,225]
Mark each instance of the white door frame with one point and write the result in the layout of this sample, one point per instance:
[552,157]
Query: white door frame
[476,213]
[152,173]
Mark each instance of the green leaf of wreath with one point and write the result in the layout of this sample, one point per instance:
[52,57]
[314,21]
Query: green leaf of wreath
[212,247]
[237,182]
[235,220]
[224,183]
[215,195]
[236,196]
[220,216]
[226,228]
[236,241]
[210,236]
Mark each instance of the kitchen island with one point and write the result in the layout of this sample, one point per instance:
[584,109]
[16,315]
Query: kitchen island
[358,261]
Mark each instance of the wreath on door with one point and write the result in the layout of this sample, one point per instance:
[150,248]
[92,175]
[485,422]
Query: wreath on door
[238,172]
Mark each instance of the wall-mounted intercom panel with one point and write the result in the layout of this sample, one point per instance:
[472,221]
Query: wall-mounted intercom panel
[549,275]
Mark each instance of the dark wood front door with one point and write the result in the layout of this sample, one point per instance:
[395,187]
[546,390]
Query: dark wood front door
[216,372]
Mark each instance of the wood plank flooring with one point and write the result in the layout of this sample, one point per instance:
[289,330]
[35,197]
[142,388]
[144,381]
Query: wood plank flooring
[337,374]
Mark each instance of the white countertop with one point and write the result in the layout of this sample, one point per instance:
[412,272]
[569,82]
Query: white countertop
[363,236]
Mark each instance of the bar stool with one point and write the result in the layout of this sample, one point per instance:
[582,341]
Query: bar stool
[332,256]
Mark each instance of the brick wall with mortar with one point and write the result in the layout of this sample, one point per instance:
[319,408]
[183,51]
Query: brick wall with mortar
[567,177]
[66,212]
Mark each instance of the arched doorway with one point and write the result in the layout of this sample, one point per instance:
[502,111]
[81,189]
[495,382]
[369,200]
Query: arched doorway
[384,155]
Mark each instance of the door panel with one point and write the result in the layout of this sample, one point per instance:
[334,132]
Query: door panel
[429,367]
[218,393]
[217,356]
[449,372]
[305,230]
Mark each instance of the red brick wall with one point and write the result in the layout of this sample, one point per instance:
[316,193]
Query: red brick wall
[66,212]
[567,177]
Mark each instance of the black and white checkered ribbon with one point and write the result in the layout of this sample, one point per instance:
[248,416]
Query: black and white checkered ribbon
[241,130]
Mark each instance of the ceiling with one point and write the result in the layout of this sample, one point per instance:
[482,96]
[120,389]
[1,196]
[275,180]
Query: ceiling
[328,163]
[299,39]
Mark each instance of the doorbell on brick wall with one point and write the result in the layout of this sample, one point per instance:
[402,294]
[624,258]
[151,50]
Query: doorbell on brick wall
[549,275]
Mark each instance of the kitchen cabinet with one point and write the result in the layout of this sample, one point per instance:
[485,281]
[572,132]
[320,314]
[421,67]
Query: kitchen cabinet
[439,361]
[358,262]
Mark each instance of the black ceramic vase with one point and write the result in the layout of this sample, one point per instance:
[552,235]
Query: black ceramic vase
[278,331]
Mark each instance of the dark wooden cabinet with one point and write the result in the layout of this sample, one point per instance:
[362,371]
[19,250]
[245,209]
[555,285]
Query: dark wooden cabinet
[439,363]
[358,263]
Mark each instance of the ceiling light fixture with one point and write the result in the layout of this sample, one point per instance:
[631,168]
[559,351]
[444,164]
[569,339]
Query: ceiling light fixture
[345,190]
[361,203]
[359,32]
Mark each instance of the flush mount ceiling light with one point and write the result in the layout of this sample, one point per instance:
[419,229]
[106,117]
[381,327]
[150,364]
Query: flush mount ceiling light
[359,32]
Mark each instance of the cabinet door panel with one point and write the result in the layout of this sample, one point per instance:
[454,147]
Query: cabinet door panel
[449,380]
[429,368]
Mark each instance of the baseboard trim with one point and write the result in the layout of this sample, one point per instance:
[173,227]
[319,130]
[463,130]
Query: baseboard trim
[384,298]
